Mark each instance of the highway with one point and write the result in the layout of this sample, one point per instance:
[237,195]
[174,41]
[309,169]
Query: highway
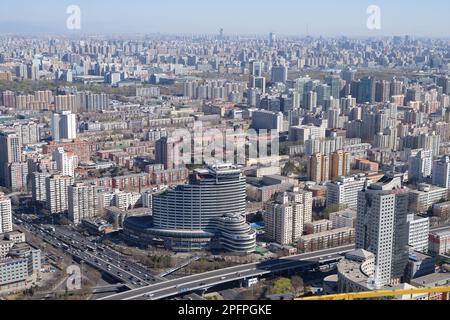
[88,251]
[209,279]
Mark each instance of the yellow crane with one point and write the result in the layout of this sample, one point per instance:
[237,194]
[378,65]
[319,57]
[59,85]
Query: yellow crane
[383,293]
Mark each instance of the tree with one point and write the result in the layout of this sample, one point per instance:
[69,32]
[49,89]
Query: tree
[297,284]
[334,208]
[282,286]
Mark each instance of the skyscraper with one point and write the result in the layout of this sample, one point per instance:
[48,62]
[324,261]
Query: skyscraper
[272,39]
[5,214]
[382,228]
[382,91]
[420,166]
[82,202]
[340,164]
[188,217]
[441,172]
[56,188]
[64,126]
[279,74]
[334,81]
[366,90]
[286,216]
[65,162]
[11,151]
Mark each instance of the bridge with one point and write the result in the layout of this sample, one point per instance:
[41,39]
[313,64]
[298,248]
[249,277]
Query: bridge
[175,269]
[204,281]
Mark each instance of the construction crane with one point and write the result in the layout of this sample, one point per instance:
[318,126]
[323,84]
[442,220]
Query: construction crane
[382,294]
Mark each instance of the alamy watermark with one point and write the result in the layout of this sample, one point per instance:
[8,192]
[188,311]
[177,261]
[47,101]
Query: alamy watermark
[73,282]
[374,19]
[73,22]
[234,146]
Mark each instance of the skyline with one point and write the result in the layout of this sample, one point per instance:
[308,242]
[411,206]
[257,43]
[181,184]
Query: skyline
[286,17]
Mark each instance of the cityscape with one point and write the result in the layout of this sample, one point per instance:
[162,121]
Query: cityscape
[297,162]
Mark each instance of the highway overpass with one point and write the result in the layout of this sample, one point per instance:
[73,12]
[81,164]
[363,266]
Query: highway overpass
[210,279]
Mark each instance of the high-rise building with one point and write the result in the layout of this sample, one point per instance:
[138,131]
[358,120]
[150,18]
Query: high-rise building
[441,172]
[418,232]
[167,152]
[56,189]
[272,39]
[366,90]
[6,224]
[420,166]
[267,120]
[65,162]
[82,202]
[11,152]
[38,190]
[340,164]
[279,74]
[212,205]
[256,68]
[382,228]
[344,191]
[64,126]
[334,81]
[286,216]
[382,91]
[311,101]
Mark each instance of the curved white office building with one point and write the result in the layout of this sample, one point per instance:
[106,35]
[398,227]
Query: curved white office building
[207,213]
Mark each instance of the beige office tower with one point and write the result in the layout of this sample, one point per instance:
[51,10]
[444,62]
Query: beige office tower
[319,168]
[315,168]
[340,164]
[285,217]
[326,168]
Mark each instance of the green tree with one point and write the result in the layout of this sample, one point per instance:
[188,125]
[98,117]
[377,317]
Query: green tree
[282,286]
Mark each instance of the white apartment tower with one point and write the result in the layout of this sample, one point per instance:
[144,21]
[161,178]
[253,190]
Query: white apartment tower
[286,216]
[441,172]
[82,202]
[64,126]
[381,227]
[420,166]
[56,189]
[5,214]
[65,162]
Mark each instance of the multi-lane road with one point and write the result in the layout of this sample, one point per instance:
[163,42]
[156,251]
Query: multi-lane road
[209,279]
[148,286]
[213,278]
[88,251]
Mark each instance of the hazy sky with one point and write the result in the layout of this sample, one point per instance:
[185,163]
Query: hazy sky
[290,17]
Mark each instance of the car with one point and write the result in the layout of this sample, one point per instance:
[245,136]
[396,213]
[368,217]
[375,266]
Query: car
[223,278]
[149,295]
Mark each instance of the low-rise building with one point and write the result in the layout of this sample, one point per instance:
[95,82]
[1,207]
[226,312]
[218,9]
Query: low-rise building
[318,226]
[419,265]
[325,240]
[418,230]
[439,242]
[355,271]
[431,281]
[343,219]
[442,210]
[425,197]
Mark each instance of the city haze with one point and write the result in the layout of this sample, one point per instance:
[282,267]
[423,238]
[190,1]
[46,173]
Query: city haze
[284,17]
